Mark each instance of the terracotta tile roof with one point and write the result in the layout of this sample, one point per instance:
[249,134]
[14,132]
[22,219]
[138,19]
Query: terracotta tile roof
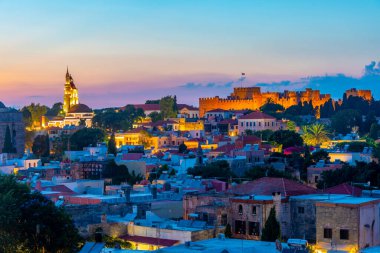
[217,110]
[229,121]
[257,115]
[225,148]
[148,107]
[132,156]
[149,240]
[189,107]
[268,185]
[344,189]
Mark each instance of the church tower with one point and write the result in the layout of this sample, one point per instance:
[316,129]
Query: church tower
[70,96]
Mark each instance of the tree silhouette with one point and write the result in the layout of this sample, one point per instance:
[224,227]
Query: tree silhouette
[271,231]
[8,146]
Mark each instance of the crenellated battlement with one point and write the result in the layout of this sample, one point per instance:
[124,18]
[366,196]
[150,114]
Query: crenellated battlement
[252,98]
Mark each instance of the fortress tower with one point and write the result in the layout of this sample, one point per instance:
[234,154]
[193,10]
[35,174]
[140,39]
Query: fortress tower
[70,97]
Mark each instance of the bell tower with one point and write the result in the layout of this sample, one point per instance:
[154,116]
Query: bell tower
[70,95]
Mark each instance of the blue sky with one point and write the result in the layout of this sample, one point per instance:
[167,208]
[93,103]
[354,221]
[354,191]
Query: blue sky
[124,50]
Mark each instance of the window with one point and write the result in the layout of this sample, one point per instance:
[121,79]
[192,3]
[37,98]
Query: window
[250,124]
[224,220]
[240,227]
[253,210]
[272,123]
[327,233]
[254,123]
[254,228]
[301,209]
[240,209]
[344,235]
[246,123]
[259,123]
[242,123]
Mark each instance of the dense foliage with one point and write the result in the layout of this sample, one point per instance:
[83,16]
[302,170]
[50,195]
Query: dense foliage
[31,223]
[271,231]
[8,145]
[111,148]
[120,174]
[218,169]
[86,137]
[361,173]
[41,146]
[257,172]
[286,138]
[114,120]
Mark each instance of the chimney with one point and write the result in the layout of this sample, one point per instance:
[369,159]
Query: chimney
[276,196]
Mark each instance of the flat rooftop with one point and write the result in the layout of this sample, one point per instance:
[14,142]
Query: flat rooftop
[351,200]
[324,196]
[218,245]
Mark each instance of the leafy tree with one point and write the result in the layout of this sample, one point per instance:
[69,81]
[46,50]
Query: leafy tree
[182,148]
[257,172]
[157,101]
[272,231]
[112,145]
[27,117]
[168,107]
[120,174]
[361,173]
[374,131]
[8,146]
[55,110]
[286,138]
[320,155]
[156,116]
[327,109]
[29,222]
[36,111]
[41,146]
[271,108]
[218,169]
[315,134]
[114,120]
[343,121]
[291,125]
[264,134]
[86,137]
[228,231]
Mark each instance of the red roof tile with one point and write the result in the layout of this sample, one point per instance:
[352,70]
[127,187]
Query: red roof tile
[268,185]
[148,107]
[132,156]
[149,240]
[257,115]
[344,189]
[189,107]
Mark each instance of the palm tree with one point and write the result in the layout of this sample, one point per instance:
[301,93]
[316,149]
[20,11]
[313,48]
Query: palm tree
[315,134]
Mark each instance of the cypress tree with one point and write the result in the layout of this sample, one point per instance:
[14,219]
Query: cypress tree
[8,147]
[271,231]
[112,145]
[227,231]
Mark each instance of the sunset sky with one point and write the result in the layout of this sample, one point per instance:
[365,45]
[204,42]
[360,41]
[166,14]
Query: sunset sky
[122,52]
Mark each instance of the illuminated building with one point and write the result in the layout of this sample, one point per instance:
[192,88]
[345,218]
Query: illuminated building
[75,113]
[70,97]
